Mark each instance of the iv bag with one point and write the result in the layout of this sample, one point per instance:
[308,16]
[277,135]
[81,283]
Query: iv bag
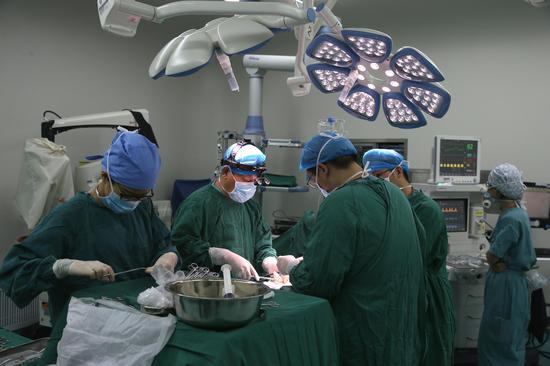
[332,125]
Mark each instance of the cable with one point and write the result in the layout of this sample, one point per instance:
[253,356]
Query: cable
[52,112]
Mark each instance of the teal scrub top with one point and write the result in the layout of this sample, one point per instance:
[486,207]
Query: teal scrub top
[208,218]
[364,257]
[82,229]
[439,318]
[506,313]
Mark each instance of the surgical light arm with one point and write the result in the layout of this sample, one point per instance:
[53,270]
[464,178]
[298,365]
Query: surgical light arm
[122,16]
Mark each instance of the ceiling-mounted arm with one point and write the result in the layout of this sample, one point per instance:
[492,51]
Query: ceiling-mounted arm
[111,120]
[122,16]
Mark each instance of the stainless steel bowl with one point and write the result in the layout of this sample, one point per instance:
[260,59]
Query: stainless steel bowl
[201,303]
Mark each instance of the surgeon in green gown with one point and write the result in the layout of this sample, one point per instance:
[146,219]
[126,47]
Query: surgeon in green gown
[221,223]
[363,256]
[294,240]
[506,313]
[439,319]
[86,240]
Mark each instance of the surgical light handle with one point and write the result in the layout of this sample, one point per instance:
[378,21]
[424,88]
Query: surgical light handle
[329,18]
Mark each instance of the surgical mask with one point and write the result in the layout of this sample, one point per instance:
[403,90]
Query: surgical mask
[113,201]
[387,179]
[323,192]
[491,204]
[366,170]
[116,204]
[243,191]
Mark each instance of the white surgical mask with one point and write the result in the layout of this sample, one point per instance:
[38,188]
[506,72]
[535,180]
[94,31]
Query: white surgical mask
[365,172]
[243,191]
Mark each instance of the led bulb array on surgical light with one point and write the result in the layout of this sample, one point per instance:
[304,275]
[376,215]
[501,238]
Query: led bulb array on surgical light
[405,81]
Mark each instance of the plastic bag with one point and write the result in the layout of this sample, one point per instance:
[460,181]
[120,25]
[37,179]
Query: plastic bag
[106,332]
[536,280]
[45,180]
[158,297]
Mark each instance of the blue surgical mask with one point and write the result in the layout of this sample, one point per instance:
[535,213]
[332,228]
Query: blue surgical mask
[243,191]
[491,204]
[116,204]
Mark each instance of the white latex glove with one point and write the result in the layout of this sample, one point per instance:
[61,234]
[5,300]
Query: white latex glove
[95,270]
[285,263]
[240,267]
[269,265]
[167,260]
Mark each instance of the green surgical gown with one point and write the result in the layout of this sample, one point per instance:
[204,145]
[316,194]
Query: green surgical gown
[293,242]
[439,319]
[208,218]
[506,312]
[364,257]
[81,229]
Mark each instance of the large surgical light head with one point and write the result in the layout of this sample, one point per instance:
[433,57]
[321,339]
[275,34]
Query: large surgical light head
[403,80]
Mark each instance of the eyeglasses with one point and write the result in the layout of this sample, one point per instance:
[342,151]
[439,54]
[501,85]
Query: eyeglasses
[126,196]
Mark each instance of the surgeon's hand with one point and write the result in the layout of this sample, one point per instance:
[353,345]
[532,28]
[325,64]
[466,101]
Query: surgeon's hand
[240,267]
[94,270]
[167,260]
[285,263]
[269,265]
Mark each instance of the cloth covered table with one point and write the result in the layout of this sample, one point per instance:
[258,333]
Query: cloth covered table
[300,331]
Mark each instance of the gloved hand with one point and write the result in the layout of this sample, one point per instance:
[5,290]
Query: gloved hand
[269,265]
[95,270]
[285,263]
[167,260]
[240,267]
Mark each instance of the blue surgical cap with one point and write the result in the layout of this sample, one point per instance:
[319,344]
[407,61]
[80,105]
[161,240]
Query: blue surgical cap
[335,146]
[132,160]
[384,159]
[506,179]
[246,154]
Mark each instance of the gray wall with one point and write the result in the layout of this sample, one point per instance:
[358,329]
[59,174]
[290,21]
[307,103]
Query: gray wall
[53,55]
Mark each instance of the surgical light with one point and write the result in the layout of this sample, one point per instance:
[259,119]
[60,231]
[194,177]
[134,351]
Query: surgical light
[328,78]
[369,44]
[190,51]
[361,102]
[327,48]
[404,79]
[432,99]
[411,64]
[400,112]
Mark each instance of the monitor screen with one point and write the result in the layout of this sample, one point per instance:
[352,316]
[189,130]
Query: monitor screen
[458,157]
[538,204]
[455,213]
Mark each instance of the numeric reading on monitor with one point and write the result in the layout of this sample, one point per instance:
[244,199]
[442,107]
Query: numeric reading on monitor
[458,158]
[454,213]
